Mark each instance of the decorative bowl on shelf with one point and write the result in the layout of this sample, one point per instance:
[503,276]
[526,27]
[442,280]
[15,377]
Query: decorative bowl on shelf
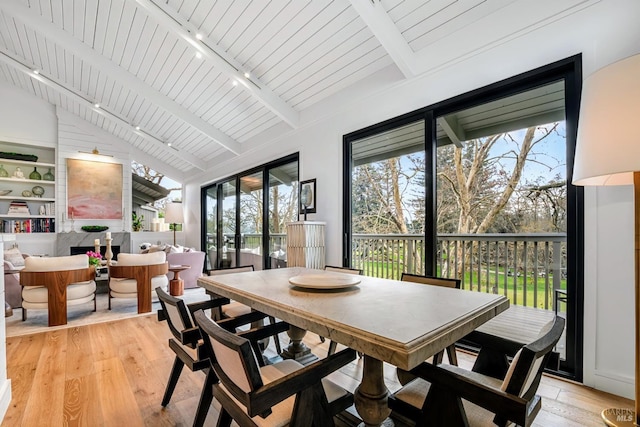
[37,191]
[5,192]
[94,228]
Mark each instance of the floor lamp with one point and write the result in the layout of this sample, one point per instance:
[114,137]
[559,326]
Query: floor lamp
[608,153]
[173,215]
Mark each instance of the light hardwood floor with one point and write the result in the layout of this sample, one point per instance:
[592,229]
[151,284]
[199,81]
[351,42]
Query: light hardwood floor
[114,374]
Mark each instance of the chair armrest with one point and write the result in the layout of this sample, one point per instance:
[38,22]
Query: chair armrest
[206,304]
[495,343]
[474,387]
[276,391]
[263,332]
[231,323]
[190,337]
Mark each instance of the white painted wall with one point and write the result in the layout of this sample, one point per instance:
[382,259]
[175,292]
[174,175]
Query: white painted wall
[604,32]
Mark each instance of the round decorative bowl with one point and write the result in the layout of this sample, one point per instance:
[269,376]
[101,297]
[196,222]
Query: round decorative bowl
[37,191]
[94,228]
[27,193]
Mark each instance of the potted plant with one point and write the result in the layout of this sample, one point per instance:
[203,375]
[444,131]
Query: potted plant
[136,221]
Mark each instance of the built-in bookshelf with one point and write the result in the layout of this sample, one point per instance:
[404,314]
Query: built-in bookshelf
[27,189]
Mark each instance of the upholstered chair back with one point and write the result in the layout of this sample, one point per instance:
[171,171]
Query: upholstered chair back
[125,259]
[71,262]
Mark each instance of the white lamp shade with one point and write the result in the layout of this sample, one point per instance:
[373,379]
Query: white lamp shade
[173,213]
[608,146]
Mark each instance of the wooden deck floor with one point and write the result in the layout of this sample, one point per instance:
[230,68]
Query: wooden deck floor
[114,374]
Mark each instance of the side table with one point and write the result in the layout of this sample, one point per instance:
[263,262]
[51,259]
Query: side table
[176,285]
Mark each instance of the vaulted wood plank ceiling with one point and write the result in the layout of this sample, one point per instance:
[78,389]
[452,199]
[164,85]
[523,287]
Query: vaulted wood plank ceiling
[203,79]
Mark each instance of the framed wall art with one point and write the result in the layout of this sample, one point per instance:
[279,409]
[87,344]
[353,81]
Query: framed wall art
[94,190]
[307,196]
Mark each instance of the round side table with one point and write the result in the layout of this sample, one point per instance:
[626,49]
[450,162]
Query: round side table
[176,285]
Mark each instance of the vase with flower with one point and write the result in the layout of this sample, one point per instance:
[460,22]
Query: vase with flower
[95,259]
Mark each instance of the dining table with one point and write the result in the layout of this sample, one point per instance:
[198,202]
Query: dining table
[386,320]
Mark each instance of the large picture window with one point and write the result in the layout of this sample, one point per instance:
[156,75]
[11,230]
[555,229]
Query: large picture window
[475,188]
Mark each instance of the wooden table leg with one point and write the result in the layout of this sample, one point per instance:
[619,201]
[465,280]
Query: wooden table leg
[371,395]
[297,350]
[176,286]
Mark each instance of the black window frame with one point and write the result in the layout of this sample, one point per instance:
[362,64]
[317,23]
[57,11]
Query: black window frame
[570,71]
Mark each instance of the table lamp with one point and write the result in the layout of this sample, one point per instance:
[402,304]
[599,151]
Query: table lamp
[173,215]
[608,153]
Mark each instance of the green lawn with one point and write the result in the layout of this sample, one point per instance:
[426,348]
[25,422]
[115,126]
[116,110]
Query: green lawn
[513,288]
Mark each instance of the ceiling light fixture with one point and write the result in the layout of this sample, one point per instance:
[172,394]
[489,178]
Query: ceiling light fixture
[247,75]
[36,71]
[137,127]
[198,36]
[97,105]
[198,55]
[168,144]
[235,83]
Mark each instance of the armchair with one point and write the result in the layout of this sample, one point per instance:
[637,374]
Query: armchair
[136,275]
[54,283]
[452,396]
[260,396]
[187,345]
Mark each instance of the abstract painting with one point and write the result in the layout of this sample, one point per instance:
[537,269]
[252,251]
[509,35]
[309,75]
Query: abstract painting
[94,190]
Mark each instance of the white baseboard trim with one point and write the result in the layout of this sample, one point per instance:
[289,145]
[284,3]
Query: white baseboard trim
[5,397]
[621,385]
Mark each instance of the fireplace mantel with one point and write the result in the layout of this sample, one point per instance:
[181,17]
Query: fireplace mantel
[64,241]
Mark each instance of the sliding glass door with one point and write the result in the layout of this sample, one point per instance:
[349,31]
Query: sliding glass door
[475,188]
[246,216]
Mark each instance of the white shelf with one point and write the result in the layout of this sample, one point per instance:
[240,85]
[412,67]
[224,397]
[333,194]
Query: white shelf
[28,199]
[5,216]
[25,163]
[32,181]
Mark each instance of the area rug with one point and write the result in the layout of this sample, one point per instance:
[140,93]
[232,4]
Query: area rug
[83,314]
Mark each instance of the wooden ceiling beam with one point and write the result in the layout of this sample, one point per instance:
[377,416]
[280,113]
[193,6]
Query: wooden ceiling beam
[19,64]
[183,29]
[123,77]
[387,33]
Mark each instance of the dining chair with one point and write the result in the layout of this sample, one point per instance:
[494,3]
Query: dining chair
[136,275]
[436,281]
[452,396]
[234,308]
[347,270]
[285,393]
[70,276]
[187,345]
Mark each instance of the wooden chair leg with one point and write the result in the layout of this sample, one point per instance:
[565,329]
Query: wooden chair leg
[451,354]
[109,296]
[206,397]
[321,338]
[173,380]
[276,339]
[95,303]
[332,348]
[24,314]
[224,420]
[438,357]
[442,407]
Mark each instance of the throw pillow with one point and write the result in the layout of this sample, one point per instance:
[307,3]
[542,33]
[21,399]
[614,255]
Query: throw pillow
[14,256]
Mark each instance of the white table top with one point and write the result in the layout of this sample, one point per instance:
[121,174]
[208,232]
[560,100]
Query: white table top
[398,322]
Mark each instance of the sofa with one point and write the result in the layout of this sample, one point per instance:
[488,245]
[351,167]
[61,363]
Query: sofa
[13,263]
[195,259]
